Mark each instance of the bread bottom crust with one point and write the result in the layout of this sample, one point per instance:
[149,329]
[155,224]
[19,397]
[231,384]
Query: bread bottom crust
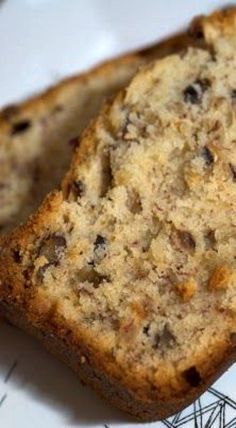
[110,390]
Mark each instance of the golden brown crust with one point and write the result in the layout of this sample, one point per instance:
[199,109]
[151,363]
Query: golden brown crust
[36,316]
[221,23]
[59,341]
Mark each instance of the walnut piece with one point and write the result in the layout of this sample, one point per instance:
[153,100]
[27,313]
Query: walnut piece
[220,277]
[187,289]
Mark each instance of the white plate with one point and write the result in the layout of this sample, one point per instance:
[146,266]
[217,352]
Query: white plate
[42,41]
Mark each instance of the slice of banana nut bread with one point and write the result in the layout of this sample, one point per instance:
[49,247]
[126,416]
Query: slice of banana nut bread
[128,273]
[34,135]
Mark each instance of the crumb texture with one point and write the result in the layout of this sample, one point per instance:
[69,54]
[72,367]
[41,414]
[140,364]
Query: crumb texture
[144,245]
[139,257]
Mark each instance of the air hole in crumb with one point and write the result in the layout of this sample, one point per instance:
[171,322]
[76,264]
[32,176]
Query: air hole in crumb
[66,218]
[147,240]
[204,83]
[41,272]
[107,176]
[68,223]
[100,248]
[233,95]
[164,339]
[210,239]
[192,376]
[20,127]
[124,130]
[77,188]
[27,273]
[134,202]
[146,329]
[99,243]
[193,93]
[16,256]
[52,248]
[99,279]
[233,171]
[207,156]
[92,276]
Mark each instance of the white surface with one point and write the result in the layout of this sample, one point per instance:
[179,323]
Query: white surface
[42,41]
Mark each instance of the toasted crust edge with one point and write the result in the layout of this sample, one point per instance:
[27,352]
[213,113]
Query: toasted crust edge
[80,360]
